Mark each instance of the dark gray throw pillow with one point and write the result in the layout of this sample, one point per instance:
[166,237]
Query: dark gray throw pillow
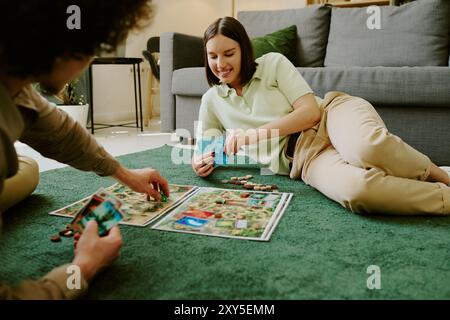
[414,34]
[312,25]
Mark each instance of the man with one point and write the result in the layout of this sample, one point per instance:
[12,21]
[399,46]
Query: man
[38,44]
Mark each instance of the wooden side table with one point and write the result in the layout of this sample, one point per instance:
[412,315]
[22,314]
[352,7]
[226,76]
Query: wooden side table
[135,62]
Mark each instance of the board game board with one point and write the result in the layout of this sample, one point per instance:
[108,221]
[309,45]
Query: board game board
[136,210]
[250,215]
[242,214]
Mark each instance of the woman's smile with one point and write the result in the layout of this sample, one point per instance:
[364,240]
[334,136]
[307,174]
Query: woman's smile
[224,59]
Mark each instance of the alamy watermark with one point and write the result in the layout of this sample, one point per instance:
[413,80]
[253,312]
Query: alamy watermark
[374,280]
[74,20]
[373,22]
[74,279]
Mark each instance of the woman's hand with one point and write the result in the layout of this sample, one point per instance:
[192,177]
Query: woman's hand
[234,141]
[145,180]
[203,165]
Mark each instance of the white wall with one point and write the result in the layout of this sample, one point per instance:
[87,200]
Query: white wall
[184,16]
[247,5]
[113,90]
[194,16]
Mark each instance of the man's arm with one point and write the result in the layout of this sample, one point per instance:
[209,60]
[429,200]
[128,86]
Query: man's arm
[53,286]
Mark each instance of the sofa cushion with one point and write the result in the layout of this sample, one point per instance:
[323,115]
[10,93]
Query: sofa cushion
[189,82]
[281,41]
[393,86]
[312,30]
[415,34]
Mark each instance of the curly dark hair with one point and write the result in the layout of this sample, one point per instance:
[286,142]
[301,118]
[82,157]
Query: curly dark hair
[33,33]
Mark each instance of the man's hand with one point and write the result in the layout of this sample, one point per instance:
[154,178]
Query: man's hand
[145,180]
[203,165]
[93,253]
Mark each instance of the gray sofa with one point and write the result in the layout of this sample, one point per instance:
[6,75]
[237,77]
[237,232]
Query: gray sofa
[401,68]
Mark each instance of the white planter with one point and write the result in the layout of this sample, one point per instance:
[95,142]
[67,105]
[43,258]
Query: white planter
[77,112]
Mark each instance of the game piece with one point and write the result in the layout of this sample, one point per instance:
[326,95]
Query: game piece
[163,196]
[55,238]
[234,178]
[220,201]
[244,195]
[67,232]
[225,181]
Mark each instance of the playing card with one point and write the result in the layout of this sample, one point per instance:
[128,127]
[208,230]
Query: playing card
[103,208]
[221,158]
[216,145]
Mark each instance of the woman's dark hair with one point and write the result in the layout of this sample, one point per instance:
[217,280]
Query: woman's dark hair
[233,29]
[33,33]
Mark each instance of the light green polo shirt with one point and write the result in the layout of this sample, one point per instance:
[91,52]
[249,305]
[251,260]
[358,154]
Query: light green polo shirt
[268,96]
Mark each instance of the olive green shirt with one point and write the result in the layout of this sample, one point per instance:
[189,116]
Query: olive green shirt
[268,96]
[30,118]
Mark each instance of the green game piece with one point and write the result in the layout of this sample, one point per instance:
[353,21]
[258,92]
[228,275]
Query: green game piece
[163,196]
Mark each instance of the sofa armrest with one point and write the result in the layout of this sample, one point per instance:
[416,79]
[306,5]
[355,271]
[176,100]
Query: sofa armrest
[177,51]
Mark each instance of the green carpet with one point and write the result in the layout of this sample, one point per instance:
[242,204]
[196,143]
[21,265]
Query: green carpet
[319,250]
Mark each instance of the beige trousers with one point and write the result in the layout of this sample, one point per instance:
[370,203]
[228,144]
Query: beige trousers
[352,158]
[21,185]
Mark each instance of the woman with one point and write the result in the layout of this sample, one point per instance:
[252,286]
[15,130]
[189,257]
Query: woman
[343,150]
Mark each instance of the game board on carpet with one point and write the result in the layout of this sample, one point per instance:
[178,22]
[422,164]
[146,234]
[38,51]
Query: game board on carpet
[136,210]
[243,214]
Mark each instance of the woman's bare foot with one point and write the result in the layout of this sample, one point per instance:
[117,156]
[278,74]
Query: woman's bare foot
[439,175]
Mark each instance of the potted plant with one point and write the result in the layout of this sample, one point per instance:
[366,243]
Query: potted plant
[71,100]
